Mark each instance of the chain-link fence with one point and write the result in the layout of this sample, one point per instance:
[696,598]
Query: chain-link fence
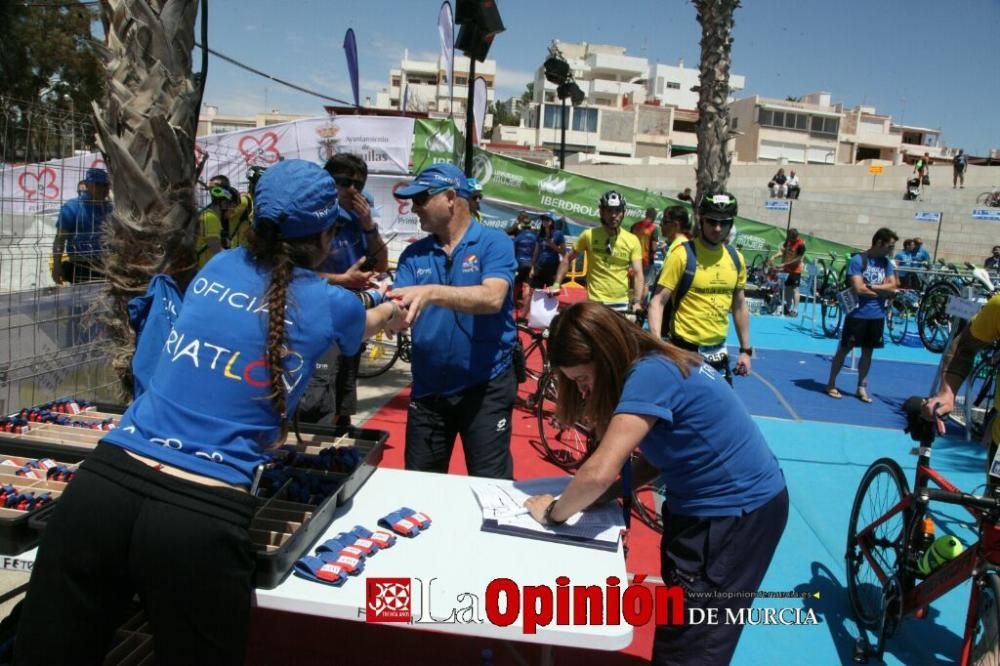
[48,348]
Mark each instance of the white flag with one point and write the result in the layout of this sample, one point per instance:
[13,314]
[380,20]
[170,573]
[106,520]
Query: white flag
[479,106]
[446,29]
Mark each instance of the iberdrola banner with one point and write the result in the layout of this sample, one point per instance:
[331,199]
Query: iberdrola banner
[539,188]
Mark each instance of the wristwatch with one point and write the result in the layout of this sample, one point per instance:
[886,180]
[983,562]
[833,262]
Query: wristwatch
[746,350]
[548,514]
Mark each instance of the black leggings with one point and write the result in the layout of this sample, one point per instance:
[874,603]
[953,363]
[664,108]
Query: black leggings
[123,528]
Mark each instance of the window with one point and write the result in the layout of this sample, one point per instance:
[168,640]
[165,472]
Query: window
[673,85]
[735,123]
[461,80]
[584,120]
[553,117]
[825,125]
[783,120]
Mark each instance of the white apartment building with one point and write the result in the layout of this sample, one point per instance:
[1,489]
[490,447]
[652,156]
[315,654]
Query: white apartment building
[632,109]
[423,86]
[814,130]
[672,84]
[210,121]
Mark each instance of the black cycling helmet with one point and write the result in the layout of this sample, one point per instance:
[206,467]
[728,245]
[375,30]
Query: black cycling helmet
[720,206]
[612,199]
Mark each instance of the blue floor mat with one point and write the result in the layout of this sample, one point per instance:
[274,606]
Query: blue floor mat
[823,464]
[792,384]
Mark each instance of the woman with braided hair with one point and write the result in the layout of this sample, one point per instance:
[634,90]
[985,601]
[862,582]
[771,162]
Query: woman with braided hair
[162,508]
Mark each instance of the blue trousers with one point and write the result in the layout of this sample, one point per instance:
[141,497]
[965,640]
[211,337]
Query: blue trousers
[706,555]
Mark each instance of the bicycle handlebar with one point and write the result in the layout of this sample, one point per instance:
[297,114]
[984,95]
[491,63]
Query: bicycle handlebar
[960,498]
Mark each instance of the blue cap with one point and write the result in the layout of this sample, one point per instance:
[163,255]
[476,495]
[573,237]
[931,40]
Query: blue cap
[437,177]
[97,176]
[551,214]
[299,196]
[474,185]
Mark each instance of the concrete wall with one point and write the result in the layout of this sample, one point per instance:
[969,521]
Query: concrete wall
[845,204]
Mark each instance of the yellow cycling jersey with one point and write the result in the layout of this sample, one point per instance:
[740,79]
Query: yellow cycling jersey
[986,328]
[211,228]
[240,221]
[680,239]
[608,261]
[702,317]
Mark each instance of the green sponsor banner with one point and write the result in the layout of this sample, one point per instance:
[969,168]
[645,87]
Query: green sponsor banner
[435,141]
[538,188]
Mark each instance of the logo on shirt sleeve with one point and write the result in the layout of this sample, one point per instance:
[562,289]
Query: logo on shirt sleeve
[470,264]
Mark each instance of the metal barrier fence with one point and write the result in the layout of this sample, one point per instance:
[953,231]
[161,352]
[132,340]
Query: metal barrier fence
[48,348]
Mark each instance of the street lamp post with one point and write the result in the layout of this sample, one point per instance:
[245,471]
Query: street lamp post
[562,139]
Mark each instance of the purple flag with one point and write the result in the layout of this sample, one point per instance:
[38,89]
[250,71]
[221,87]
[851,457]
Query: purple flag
[446,30]
[351,50]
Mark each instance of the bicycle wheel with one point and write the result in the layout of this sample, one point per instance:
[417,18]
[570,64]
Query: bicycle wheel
[829,305]
[986,199]
[978,396]
[882,487]
[897,319]
[647,501]
[986,638]
[566,446]
[378,353]
[933,322]
[535,360]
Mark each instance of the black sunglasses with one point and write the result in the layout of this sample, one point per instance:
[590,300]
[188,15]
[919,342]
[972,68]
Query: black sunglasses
[423,197]
[721,223]
[344,181]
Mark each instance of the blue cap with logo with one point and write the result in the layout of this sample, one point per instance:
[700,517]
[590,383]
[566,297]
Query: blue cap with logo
[299,196]
[96,175]
[437,178]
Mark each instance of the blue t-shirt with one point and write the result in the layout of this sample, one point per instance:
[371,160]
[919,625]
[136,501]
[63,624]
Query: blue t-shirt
[920,256]
[206,408]
[81,219]
[546,255]
[350,242]
[453,350]
[713,459]
[878,270]
[524,247]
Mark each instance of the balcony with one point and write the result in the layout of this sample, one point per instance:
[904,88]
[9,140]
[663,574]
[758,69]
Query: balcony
[617,65]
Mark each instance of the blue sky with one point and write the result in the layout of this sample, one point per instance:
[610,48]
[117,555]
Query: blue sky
[925,62]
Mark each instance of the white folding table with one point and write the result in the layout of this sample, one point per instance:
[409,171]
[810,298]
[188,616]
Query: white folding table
[452,563]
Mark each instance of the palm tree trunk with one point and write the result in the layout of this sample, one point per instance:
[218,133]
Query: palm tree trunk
[716,19]
[146,131]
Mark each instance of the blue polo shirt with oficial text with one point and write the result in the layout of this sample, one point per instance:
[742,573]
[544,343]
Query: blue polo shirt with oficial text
[712,457]
[206,409]
[453,350]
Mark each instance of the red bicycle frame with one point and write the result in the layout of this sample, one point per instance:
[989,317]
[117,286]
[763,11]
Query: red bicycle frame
[952,573]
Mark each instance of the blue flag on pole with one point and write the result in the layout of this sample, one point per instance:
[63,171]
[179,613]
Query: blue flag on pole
[351,51]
